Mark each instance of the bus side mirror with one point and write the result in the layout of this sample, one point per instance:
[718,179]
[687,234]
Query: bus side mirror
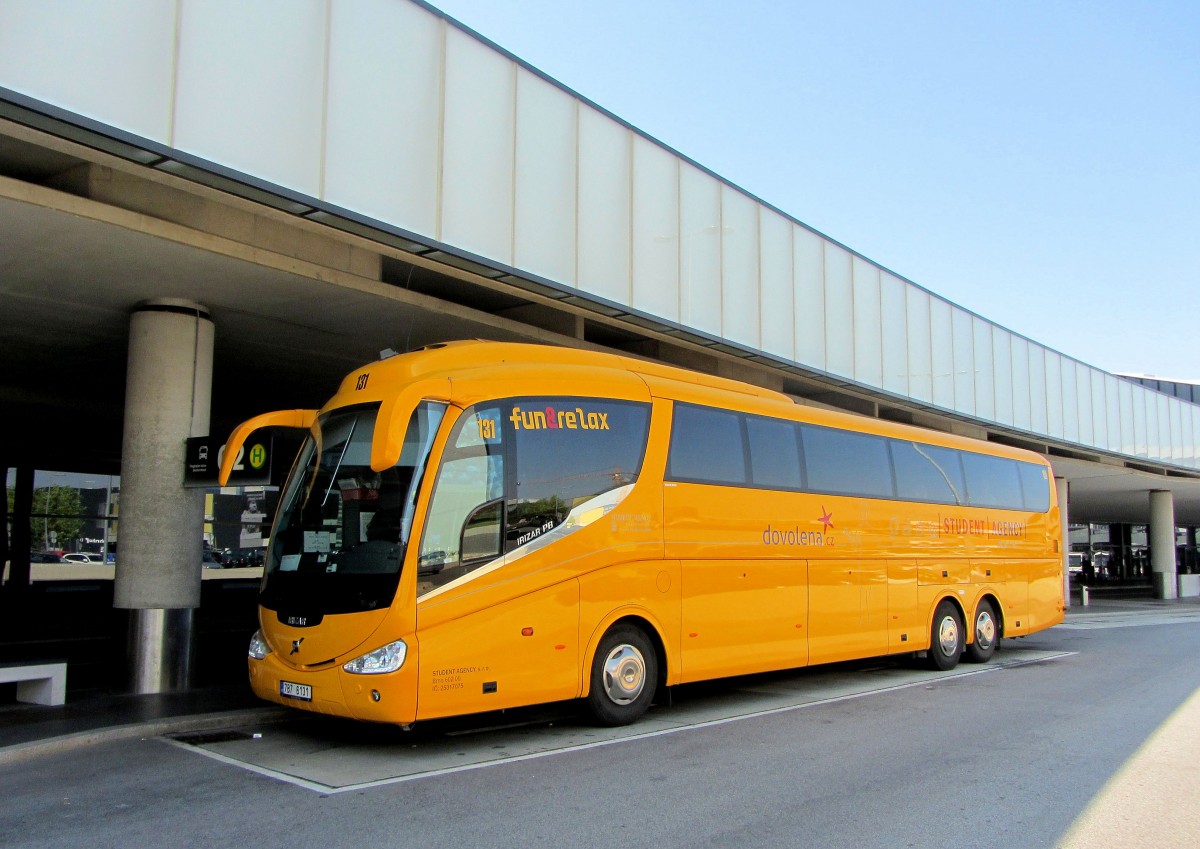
[394,415]
[302,419]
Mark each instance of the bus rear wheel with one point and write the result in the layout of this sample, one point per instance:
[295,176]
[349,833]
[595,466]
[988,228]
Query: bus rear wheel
[624,676]
[987,633]
[946,637]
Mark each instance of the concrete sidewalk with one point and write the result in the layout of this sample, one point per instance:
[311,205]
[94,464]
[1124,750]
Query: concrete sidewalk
[31,730]
[1132,810]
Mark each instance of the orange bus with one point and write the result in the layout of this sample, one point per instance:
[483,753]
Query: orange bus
[478,525]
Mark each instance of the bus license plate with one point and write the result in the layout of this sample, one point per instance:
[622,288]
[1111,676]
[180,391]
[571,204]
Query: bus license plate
[295,691]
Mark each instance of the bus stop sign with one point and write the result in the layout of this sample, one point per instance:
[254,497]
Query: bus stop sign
[203,462]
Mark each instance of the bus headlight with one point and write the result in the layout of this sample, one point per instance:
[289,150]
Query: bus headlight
[258,646]
[389,658]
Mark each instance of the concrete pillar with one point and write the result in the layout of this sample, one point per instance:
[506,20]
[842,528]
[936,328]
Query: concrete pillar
[1162,543]
[1061,486]
[168,390]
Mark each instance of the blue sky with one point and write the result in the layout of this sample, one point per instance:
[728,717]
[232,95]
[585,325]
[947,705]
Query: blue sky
[1036,162]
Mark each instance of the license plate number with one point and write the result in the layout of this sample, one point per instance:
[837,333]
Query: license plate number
[295,691]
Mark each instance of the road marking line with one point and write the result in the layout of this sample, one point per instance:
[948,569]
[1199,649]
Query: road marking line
[320,787]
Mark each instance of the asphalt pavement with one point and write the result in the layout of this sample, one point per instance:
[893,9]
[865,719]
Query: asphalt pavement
[1093,747]
[92,717]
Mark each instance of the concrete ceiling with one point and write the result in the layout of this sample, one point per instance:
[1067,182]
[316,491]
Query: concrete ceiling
[1104,493]
[68,284]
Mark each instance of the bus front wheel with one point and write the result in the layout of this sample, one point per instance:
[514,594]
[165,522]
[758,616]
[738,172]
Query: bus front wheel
[987,633]
[946,637]
[624,676]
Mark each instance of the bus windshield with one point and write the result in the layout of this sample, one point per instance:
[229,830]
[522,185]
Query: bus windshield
[342,529]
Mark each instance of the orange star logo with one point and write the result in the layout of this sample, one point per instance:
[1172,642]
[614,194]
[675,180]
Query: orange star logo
[826,518]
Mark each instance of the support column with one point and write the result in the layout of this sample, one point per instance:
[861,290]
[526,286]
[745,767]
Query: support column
[168,390]
[1162,543]
[1061,486]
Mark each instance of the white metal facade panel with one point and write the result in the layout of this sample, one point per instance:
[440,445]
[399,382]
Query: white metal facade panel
[1099,409]
[1139,421]
[1191,423]
[1070,400]
[839,311]
[250,87]
[384,162]
[868,338]
[545,236]
[1019,372]
[604,208]
[739,268]
[655,230]
[1163,414]
[1150,402]
[941,352]
[387,109]
[776,310]
[381,160]
[985,373]
[477,148]
[918,329]
[1038,420]
[808,276]
[118,59]
[1112,412]
[965,371]
[1128,419]
[1084,392]
[893,316]
[1002,388]
[1054,395]
[1176,431]
[700,249]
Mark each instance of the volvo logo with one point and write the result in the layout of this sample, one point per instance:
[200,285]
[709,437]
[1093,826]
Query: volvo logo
[296,645]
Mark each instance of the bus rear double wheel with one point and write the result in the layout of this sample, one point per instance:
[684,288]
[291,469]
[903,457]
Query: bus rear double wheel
[624,676]
[947,636]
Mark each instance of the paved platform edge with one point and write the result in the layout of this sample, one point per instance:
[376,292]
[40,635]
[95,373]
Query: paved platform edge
[216,721]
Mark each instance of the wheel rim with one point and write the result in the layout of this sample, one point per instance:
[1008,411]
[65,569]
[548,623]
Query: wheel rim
[624,674]
[948,635]
[985,629]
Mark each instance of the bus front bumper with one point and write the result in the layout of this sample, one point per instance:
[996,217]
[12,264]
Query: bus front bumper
[388,697]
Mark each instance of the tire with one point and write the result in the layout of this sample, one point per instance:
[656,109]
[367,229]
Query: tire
[624,676]
[945,637]
[987,634]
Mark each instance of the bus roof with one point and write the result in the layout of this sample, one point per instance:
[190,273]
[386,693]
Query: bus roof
[472,364]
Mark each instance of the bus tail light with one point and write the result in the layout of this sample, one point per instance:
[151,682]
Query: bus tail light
[388,658]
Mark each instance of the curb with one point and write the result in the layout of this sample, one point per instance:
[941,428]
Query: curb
[151,728]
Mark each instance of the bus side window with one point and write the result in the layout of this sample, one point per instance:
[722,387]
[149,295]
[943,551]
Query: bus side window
[467,502]
[707,446]
[993,482]
[481,537]
[927,473]
[567,451]
[1035,487]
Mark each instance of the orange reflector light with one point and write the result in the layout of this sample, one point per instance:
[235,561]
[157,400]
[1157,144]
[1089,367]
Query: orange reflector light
[526,632]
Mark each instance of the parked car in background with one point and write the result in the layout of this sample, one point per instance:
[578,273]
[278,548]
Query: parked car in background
[232,557]
[75,557]
[44,557]
[211,560]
